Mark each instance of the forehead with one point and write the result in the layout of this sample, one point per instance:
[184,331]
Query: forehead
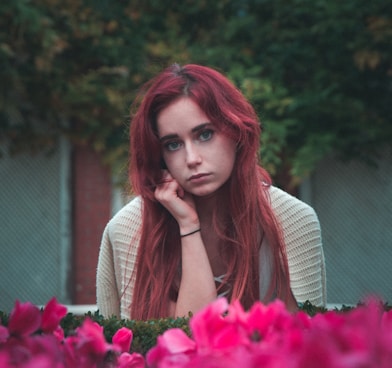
[181,115]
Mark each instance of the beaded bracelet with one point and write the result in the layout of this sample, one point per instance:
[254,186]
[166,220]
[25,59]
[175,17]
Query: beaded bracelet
[192,232]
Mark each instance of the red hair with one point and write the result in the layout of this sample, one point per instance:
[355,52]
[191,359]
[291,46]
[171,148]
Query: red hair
[251,215]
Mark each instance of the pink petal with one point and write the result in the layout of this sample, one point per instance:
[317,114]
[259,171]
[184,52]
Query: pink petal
[70,353]
[4,334]
[52,315]
[24,319]
[123,339]
[236,313]
[127,360]
[207,322]
[91,339]
[176,341]
[4,359]
[58,333]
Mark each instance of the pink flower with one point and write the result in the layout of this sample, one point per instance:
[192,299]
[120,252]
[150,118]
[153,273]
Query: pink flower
[123,339]
[91,339]
[4,334]
[24,319]
[4,359]
[58,333]
[177,341]
[45,351]
[25,345]
[351,339]
[265,321]
[37,350]
[174,348]
[70,354]
[385,341]
[224,336]
[212,330]
[52,315]
[88,347]
[126,360]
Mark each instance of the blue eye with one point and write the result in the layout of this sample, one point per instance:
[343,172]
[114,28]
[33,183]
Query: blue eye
[172,146]
[206,135]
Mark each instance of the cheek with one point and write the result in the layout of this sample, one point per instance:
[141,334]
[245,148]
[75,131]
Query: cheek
[228,153]
[231,162]
[232,157]
[171,163]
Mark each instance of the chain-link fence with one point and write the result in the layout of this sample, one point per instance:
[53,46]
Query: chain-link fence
[354,205]
[34,227]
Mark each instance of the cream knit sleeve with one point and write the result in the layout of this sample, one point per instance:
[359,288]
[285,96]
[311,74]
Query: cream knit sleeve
[302,235]
[117,261]
[107,292]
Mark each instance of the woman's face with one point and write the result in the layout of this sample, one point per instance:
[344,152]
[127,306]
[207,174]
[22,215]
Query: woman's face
[196,154]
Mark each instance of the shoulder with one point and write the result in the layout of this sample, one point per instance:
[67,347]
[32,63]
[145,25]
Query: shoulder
[302,235]
[298,220]
[291,211]
[126,223]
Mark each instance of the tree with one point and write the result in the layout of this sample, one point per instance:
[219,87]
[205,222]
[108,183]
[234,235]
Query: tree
[72,68]
[318,71]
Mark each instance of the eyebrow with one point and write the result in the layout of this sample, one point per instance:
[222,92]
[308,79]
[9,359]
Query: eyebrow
[194,130]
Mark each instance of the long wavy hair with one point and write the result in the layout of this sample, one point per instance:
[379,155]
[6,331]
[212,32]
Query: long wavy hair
[246,194]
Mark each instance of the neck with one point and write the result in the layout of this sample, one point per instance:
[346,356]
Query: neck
[209,205]
[205,206]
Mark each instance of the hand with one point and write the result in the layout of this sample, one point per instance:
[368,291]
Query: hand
[178,202]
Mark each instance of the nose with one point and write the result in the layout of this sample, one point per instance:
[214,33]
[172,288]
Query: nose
[193,157]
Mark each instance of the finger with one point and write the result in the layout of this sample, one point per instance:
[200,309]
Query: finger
[167,190]
[166,177]
[180,192]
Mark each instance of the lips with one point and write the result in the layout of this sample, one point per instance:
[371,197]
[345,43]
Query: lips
[197,177]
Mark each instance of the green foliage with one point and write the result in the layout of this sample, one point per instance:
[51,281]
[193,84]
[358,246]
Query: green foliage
[311,309]
[3,318]
[327,68]
[318,72]
[72,68]
[145,333]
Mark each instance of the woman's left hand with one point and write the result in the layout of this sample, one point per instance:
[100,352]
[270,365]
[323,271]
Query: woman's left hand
[178,202]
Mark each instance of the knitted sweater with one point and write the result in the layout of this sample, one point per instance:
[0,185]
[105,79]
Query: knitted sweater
[121,238]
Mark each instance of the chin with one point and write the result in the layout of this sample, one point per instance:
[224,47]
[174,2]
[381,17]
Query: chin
[204,193]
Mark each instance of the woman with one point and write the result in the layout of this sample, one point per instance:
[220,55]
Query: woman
[206,220]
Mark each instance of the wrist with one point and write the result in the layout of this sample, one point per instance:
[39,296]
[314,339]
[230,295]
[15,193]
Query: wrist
[183,235]
[186,227]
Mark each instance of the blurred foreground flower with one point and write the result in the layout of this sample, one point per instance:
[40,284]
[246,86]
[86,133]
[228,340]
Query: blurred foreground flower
[269,336]
[34,339]
[223,336]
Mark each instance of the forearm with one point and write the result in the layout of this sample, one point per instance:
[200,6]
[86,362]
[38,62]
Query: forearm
[197,286]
